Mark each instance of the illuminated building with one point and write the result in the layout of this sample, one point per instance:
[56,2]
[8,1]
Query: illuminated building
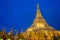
[40,30]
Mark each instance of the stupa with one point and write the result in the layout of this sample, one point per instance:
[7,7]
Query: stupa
[40,30]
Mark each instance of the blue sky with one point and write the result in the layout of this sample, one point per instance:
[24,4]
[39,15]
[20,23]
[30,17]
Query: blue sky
[21,13]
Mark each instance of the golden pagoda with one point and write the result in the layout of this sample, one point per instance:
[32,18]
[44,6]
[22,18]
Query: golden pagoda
[40,30]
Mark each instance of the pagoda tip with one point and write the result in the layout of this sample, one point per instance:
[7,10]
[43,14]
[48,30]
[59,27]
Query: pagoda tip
[37,6]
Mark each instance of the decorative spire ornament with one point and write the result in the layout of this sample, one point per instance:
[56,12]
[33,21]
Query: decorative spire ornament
[38,14]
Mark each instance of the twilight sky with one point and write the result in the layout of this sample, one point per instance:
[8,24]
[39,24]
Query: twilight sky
[21,13]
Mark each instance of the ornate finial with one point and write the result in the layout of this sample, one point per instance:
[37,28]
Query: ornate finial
[38,14]
[37,6]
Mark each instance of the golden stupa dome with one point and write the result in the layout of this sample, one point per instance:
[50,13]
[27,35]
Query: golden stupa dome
[40,30]
[39,22]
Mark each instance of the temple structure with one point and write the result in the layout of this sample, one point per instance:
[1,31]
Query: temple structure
[39,30]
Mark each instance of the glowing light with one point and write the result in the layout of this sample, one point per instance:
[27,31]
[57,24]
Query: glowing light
[37,25]
[40,25]
[29,29]
[8,39]
[46,33]
[20,39]
[1,39]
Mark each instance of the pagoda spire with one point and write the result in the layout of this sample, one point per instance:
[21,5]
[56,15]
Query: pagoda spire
[38,17]
[38,13]
[39,22]
[11,31]
[3,30]
[16,32]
